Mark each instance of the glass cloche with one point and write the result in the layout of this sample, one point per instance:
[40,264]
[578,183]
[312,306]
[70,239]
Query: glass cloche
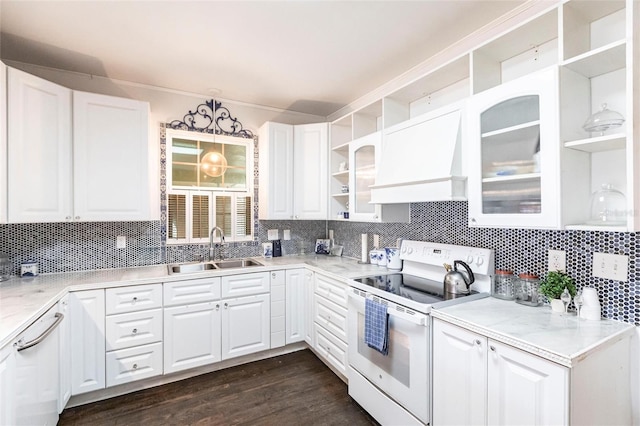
[608,207]
[603,120]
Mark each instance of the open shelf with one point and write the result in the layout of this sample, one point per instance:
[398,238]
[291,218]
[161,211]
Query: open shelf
[599,143]
[599,61]
[511,178]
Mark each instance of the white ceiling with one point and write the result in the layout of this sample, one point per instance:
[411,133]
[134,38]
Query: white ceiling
[307,56]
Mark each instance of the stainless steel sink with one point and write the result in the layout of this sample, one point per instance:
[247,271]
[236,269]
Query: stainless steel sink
[185,268]
[237,263]
[192,267]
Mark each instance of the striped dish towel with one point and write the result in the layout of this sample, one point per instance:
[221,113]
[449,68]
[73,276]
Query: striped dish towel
[376,326]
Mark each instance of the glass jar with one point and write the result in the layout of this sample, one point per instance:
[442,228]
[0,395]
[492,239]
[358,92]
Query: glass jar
[527,290]
[5,268]
[503,284]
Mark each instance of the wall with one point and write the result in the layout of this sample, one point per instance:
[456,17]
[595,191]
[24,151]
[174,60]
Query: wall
[520,250]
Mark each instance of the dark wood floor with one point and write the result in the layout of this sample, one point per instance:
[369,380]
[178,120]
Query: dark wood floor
[292,389]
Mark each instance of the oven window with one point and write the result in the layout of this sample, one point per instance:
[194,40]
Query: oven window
[397,363]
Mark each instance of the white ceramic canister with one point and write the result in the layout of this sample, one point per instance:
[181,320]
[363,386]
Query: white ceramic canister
[382,257]
[29,268]
[393,258]
[591,310]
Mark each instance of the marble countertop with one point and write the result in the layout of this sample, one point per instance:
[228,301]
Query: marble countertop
[562,339]
[23,300]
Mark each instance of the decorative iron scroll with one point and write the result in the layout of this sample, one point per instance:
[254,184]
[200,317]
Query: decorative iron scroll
[206,119]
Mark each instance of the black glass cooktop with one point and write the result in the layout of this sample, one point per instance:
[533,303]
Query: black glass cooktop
[411,287]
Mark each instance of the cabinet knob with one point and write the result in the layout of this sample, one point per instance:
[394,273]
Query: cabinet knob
[135,366]
[218,307]
[473,220]
[478,342]
[273,274]
[134,331]
[68,218]
[296,216]
[493,348]
[77,217]
[375,216]
[226,305]
[134,300]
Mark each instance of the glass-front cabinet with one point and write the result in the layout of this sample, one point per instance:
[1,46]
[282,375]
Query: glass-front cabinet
[513,154]
[362,157]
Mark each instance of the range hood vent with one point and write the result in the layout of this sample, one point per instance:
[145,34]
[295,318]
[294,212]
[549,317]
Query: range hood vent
[421,160]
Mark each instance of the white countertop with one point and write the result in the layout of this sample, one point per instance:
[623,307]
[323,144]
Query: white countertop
[23,300]
[554,336]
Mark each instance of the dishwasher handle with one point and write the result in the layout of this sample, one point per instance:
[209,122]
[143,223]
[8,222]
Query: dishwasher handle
[20,347]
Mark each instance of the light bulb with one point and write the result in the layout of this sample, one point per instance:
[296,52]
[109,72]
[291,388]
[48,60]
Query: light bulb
[213,164]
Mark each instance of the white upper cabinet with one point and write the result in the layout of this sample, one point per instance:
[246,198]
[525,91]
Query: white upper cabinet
[276,171]
[293,171]
[96,170]
[310,153]
[39,150]
[111,152]
[513,153]
[3,143]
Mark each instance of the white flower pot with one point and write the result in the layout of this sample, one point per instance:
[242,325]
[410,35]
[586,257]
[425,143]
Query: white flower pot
[557,305]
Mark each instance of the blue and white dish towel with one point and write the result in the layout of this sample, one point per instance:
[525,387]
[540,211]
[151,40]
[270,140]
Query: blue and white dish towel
[376,326]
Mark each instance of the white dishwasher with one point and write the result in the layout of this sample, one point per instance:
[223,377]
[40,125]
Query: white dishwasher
[37,371]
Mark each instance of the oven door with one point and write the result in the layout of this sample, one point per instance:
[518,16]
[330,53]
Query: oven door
[403,374]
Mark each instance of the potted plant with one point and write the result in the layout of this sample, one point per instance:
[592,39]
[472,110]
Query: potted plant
[553,285]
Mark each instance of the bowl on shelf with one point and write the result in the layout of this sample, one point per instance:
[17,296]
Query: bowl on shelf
[603,120]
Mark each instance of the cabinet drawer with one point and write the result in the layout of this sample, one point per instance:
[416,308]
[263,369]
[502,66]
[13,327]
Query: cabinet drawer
[245,284]
[127,365]
[331,348]
[134,298]
[331,316]
[332,289]
[133,329]
[191,291]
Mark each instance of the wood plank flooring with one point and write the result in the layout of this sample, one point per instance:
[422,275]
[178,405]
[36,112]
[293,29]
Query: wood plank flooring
[290,389]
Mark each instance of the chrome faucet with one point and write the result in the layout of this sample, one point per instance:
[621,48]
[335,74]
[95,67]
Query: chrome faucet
[211,246]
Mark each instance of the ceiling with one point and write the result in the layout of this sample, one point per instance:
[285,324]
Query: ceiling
[307,56]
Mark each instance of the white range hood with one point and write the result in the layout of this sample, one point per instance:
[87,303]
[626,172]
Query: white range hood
[421,160]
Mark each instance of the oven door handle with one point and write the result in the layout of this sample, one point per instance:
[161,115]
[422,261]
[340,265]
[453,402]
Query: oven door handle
[417,319]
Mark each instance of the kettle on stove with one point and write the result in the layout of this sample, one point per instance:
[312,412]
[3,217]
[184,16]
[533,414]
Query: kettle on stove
[455,282]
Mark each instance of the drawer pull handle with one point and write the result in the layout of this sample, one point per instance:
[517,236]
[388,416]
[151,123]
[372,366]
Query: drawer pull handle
[135,366]
[134,331]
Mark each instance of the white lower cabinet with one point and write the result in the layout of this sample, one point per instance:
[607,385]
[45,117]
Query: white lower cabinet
[8,413]
[245,325]
[278,309]
[65,353]
[87,310]
[330,321]
[191,336]
[499,384]
[138,362]
[308,295]
[295,312]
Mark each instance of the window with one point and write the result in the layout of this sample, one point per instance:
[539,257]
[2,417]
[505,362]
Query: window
[209,184]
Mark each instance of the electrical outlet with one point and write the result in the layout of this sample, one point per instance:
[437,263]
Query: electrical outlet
[121,241]
[610,266]
[272,234]
[287,234]
[557,260]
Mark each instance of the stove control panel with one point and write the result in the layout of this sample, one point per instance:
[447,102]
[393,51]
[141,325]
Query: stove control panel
[480,260]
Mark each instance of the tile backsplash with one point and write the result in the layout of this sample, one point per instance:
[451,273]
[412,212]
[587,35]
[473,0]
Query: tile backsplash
[84,246]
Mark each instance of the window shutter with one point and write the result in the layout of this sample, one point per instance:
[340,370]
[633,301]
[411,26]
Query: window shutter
[200,216]
[243,216]
[223,213]
[176,216]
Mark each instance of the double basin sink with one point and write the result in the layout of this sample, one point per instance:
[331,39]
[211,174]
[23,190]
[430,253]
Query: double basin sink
[186,268]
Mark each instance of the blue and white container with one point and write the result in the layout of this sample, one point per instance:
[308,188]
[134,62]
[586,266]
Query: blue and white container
[29,268]
[393,258]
